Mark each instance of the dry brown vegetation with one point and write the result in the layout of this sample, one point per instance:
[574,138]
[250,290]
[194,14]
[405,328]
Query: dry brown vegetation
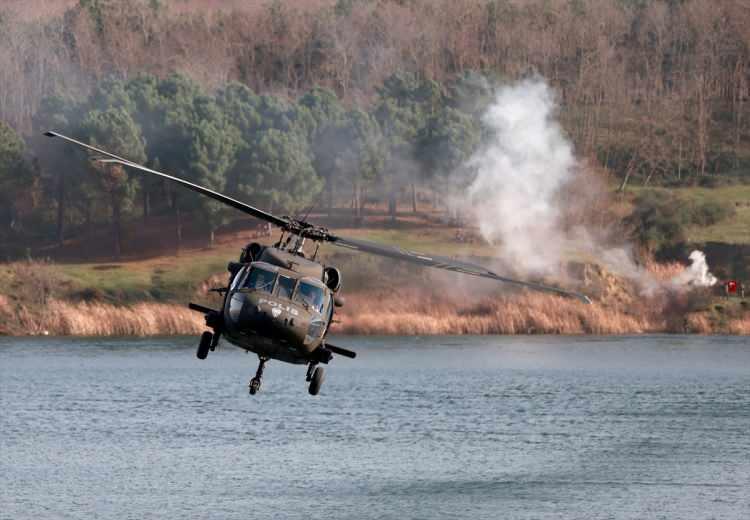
[65,318]
[389,301]
[382,299]
[403,309]
[417,313]
[619,308]
[740,327]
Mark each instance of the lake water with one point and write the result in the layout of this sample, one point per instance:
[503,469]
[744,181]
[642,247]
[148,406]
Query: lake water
[491,427]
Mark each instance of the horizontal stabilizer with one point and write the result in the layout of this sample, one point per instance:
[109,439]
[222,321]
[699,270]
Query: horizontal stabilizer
[341,351]
[201,308]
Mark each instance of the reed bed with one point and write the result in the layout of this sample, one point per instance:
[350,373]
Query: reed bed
[740,327]
[63,318]
[412,312]
[416,307]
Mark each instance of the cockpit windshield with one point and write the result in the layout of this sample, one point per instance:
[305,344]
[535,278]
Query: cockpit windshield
[260,280]
[311,295]
[285,287]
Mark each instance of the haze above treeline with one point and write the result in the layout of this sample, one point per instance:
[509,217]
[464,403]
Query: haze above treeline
[289,104]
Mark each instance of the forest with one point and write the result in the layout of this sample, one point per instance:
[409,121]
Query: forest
[292,105]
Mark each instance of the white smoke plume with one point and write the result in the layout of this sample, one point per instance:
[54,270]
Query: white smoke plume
[516,193]
[520,174]
[697,274]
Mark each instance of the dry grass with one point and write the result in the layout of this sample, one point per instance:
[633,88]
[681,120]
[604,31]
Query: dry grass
[740,326]
[413,312]
[618,309]
[698,324]
[405,305]
[60,318]
[664,272]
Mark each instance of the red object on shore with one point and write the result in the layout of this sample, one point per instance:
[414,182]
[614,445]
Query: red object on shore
[732,286]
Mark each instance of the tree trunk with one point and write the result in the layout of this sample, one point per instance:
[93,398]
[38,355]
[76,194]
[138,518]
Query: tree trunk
[392,204]
[116,226]
[628,171]
[703,123]
[211,237]
[357,200]
[88,219]
[146,202]
[414,198]
[739,100]
[330,197]
[60,234]
[178,229]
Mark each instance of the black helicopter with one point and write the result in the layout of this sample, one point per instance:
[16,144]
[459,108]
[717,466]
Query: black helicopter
[279,303]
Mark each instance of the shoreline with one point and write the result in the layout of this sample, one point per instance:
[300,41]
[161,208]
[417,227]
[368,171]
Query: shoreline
[367,315]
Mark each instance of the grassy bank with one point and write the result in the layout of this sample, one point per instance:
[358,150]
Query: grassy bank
[413,313]
[407,304]
[734,230]
[148,296]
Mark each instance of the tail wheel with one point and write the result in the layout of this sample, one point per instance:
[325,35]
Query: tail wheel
[204,345]
[317,381]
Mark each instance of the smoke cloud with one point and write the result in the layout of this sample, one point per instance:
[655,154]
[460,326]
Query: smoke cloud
[519,176]
[697,274]
[516,195]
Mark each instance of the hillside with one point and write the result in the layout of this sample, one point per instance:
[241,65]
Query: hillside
[148,295]
[584,135]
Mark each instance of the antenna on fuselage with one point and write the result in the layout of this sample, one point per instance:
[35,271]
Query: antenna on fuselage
[299,244]
[281,239]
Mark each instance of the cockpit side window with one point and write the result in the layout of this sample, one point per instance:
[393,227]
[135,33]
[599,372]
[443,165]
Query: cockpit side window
[311,295]
[238,278]
[285,287]
[260,280]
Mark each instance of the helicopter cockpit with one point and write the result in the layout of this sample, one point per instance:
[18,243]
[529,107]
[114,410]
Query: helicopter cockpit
[262,277]
[310,295]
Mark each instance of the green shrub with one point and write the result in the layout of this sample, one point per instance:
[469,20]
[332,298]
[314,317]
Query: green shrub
[657,220]
[710,213]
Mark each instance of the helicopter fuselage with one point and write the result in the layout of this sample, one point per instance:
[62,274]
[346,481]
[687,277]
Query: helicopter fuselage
[278,311]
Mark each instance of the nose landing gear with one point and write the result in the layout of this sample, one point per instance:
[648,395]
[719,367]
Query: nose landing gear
[254,384]
[316,379]
[310,369]
[207,343]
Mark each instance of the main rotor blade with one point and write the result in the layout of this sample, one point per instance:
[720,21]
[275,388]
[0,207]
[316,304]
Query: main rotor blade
[245,208]
[448,264]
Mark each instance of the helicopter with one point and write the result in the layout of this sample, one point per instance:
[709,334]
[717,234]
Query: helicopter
[279,301]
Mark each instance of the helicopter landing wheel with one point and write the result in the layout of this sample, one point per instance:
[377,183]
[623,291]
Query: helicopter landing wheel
[254,384]
[214,340]
[310,369]
[204,345]
[317,381]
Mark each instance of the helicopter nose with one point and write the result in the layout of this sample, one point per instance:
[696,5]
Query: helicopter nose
[255,313]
